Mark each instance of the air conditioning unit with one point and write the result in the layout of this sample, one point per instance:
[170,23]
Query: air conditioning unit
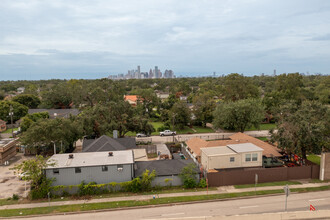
[120,169]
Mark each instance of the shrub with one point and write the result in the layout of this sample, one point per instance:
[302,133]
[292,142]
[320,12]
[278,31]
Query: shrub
[15,197]
[202,183]
[42,189]
[188,176]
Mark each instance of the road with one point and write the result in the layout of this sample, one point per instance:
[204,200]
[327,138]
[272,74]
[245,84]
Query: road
[205,136]
[269,204]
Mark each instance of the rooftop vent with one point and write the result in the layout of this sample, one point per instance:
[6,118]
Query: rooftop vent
[70,156]
[110,154]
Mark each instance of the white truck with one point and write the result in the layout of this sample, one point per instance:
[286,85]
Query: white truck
[167,133]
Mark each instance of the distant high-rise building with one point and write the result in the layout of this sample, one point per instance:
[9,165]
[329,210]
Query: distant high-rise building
[274,72]
[150,74]
[156,72]
[139,72]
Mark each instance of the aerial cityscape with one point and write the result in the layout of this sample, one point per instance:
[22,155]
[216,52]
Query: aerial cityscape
[165,110]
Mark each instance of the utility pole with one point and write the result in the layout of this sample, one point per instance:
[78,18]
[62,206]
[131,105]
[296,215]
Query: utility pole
[287,193]
[11,113]
[173,125]
[54,148]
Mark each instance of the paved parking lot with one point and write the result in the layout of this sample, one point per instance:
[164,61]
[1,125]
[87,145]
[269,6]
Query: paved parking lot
[9,182]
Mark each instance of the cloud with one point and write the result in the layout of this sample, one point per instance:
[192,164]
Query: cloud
[189,36]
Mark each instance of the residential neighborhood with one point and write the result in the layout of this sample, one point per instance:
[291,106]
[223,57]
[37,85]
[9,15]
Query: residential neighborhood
[165,110]
[145,143]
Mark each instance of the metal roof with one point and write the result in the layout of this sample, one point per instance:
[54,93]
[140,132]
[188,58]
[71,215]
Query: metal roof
[86,159]
[217,151]
[244,148]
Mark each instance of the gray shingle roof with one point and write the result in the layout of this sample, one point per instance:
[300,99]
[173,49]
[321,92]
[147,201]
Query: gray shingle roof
[60,113]
[106,143]
[162,167]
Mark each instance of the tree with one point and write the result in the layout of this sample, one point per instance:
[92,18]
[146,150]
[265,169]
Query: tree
[204,105]
[33,170]
[238,87]
[146,179]
[29,119]
[57,96]
[104,118]
[238,115]
[188,176]
[148,100]
[290,86]
[180,115]
[42,134]
[323,91]
[28,100]
[302,129]
[18,109]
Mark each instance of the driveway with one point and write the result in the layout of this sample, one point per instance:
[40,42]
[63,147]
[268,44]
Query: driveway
[10,183]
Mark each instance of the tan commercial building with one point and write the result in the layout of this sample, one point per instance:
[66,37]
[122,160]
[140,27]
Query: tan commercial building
[7,149]
[231,156]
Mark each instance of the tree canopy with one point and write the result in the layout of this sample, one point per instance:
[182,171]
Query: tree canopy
[303,129]
[239,115]
[19,110]
[28,100]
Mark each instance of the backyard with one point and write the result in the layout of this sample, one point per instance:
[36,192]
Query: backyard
[186,130]
[262,127]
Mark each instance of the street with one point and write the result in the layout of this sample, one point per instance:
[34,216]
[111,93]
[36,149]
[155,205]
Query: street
[269,204]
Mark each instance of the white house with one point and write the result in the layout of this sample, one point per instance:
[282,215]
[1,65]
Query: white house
[231,156]
[99,167]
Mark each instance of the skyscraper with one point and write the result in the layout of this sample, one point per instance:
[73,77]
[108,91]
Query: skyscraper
[139,72]
[156,72]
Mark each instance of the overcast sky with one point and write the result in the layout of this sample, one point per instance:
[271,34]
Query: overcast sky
[42,39]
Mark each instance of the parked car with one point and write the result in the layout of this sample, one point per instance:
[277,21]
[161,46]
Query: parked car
[142,135]
[167,133]
[22,175]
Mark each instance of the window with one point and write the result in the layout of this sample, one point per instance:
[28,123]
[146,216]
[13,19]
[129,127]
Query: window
[254,157]
[56,171]
[120,167]
[77,170]
[104,168]
[232,159]
[247,157]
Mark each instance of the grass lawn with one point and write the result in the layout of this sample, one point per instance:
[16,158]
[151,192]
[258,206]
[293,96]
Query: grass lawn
[262,127]
[314,158]
[173,189]
[9,131]
[135,203]
[201,129]
[281,183]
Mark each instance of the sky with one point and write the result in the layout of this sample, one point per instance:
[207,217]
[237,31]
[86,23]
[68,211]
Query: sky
[44,39]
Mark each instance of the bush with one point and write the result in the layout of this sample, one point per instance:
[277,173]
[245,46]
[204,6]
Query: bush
[202,183]
[15,197]
[163,128]
[42,189]
[88,189]
[188,176]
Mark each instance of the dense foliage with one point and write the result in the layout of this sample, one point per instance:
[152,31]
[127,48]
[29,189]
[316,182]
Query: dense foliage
[239,115]
[233,102]
[303,129]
